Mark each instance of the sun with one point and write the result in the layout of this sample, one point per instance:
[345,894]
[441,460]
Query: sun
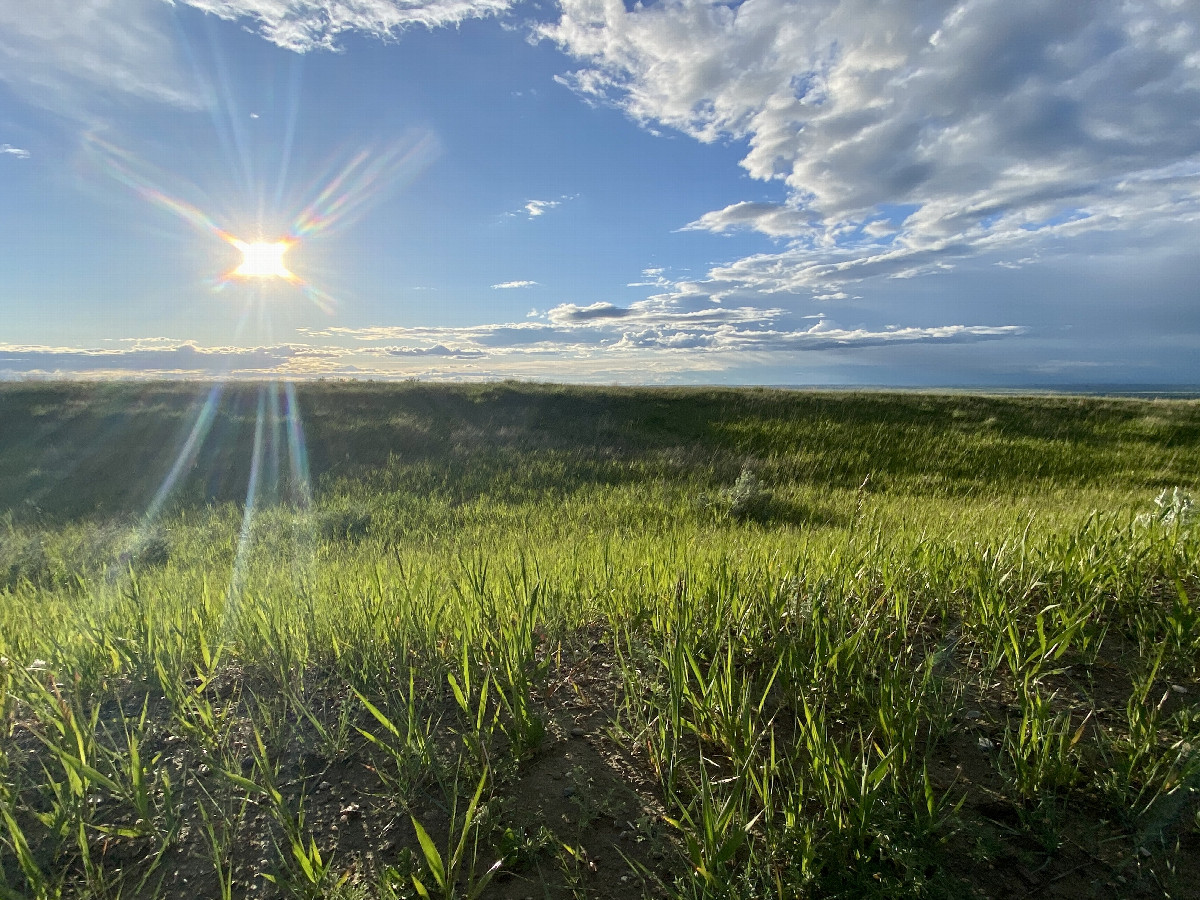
[263,259]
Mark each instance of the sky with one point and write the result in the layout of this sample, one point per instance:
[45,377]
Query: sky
[791,192]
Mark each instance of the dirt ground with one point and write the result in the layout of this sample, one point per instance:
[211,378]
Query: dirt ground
[582,816]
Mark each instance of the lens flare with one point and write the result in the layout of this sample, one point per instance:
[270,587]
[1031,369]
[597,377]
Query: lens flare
[342,195]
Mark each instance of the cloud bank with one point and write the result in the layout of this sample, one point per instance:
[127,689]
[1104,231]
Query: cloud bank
[570,331]
[162,357]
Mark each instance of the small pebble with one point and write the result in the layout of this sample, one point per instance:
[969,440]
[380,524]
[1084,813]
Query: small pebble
[973,714]
[986,744]
[577,732]
[1179,689]
[568,791]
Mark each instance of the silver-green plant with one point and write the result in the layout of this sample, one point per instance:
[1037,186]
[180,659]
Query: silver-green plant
[749,498]
[1172,507]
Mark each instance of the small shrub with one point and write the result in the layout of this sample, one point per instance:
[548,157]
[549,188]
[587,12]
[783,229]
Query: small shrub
[153,551]
[24,558]
[748,498]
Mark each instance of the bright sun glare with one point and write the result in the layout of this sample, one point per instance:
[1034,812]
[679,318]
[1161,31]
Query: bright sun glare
[263,260]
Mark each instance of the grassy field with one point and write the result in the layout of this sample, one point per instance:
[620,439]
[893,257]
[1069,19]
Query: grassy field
[359,641]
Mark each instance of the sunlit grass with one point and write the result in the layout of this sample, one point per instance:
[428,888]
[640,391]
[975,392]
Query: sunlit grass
[796,615]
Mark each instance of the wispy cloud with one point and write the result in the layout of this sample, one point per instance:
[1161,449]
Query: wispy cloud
[10,150]
[508,285]
[910,136]
[64,54]
[304,25]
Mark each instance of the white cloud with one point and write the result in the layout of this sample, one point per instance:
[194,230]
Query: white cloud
[508,285]
[538,207]
[10,150]
[907,136]
[62,54]
[73,55]
[774,219]
[668,323]
[532,209]
[303,25]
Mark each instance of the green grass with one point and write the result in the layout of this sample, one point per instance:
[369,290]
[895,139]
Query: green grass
[808,644]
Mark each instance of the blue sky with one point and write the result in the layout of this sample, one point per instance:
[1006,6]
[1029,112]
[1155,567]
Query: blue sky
[991,192]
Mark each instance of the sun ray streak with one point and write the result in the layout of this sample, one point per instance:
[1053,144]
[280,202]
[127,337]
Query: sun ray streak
[238,575]
[274,442]
[297,447]
[289,135]
[188,453]
[231,131]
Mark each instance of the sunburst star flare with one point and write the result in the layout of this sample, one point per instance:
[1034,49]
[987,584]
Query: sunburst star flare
[263,259]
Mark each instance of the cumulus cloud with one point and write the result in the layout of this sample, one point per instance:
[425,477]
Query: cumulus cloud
[10,150]
[910,135]
[303,25]
[509,285]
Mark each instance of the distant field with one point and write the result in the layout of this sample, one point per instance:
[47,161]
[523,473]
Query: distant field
[359,640]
